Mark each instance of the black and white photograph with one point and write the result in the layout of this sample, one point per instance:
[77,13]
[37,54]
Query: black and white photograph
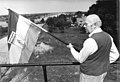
[59,41]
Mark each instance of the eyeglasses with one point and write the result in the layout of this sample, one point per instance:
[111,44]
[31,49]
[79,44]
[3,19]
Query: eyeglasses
[86,24]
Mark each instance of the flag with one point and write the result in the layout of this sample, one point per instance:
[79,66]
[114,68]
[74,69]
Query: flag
[22,37]
[4,59]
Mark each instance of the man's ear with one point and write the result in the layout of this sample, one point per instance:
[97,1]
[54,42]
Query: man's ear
[95,25]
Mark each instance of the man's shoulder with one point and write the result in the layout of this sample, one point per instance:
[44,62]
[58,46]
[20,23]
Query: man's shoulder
[89,41]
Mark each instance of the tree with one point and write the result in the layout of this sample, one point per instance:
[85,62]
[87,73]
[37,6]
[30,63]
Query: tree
[50,21]
[74,19]
[79,13]
[107,10]
[51,24]
[42,20]
[62,16]
[60,24]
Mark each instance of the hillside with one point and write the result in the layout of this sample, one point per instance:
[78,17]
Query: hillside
[48,51]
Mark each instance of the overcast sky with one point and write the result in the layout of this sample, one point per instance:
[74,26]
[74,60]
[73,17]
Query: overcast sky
[44,6]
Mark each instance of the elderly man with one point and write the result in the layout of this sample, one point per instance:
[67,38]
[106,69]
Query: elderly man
[97,53]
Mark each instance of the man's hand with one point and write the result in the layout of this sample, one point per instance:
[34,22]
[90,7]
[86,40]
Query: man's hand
[70,46]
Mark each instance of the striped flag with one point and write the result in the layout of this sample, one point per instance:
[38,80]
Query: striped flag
[22,37]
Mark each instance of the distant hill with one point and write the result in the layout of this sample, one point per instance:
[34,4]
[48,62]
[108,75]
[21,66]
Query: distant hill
[5,17]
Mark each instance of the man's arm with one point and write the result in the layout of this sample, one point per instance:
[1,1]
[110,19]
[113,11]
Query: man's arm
[89,47]
[114,54]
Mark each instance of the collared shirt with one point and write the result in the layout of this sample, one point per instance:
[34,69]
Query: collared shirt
[90,46]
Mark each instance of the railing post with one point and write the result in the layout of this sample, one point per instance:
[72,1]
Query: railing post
[44,73]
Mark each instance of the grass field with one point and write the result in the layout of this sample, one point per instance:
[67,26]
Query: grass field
[59,54]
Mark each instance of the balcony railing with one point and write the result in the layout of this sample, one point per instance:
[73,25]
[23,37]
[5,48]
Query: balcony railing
[44,66]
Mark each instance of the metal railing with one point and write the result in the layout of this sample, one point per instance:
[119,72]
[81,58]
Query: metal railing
[44,66]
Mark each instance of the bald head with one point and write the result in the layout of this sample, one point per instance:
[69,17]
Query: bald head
[93,19]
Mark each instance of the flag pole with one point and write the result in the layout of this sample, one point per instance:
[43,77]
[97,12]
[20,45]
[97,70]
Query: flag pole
[54,36]
[51,34]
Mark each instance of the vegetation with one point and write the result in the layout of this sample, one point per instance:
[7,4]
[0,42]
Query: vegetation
[107,10]
[58,23]
[61,22]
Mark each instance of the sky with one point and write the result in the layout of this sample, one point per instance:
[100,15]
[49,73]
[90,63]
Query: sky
[44,6]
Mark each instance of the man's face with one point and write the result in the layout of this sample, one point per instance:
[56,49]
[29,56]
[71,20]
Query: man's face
[88,27]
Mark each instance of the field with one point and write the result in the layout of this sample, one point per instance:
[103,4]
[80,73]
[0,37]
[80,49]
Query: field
[54,51]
